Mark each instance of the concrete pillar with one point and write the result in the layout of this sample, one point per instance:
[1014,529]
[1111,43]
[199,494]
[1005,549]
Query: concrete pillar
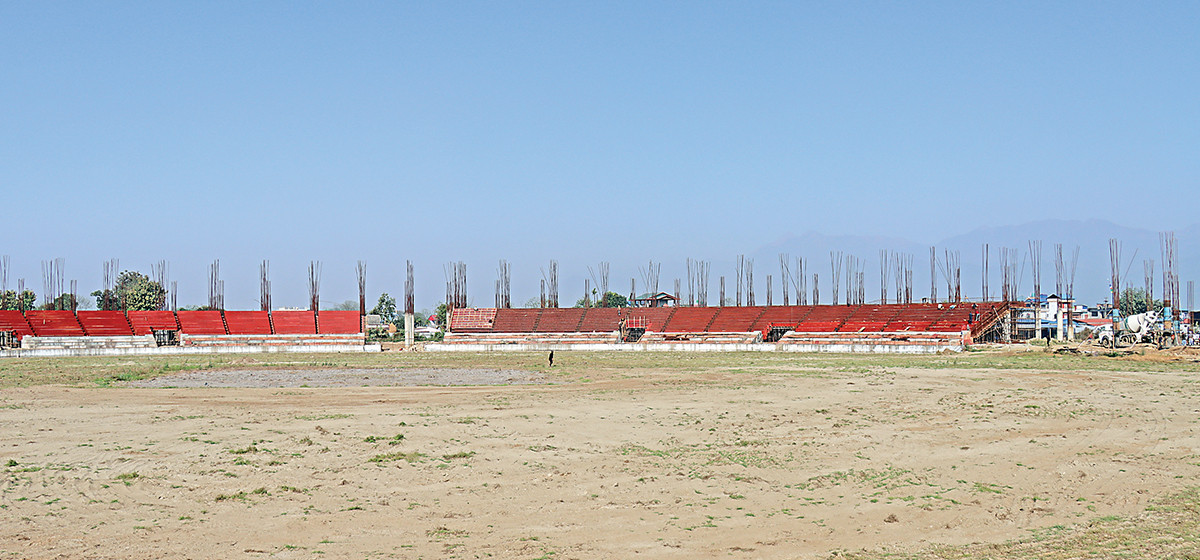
[1058,316]
[1070,325]
[410,325]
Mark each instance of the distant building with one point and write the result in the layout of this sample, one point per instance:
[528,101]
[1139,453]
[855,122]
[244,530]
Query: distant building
[1056,312]
[661,299]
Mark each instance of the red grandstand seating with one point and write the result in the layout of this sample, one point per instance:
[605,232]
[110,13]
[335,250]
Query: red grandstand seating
[966,316]
[516,320]
[201,322]
[292,322]
[339,322]
[825,318]
[472,320]
[54,323]
[601,319]
[870,318]
[249,322]
[145,322]
[915,317]
[691,319]
[14,321]
[560,320]
[736,319]
[105,323]
[653,318]
[790,315]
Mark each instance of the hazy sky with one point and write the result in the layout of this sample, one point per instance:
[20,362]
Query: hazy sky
[440,131]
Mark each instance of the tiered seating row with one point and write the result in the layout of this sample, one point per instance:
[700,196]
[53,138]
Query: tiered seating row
[54,323]
[139,323]
[339,322]
[201,322]
[14,321]
[791,315]
[601,319]
[560,320]
[870,318]
[734,319]
[825,318]
[294,322]
[691,319]
[515,320]
[472,319]
[105,323]
[146,322]
[248,322]
[652,318]
[800,318]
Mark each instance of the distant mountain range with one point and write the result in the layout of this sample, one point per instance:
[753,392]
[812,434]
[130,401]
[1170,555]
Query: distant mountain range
[1091,275]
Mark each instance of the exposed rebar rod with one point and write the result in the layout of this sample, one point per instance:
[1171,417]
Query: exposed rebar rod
[883,276]
[750,282]
[314,285]
[835,267]
[161,273]
[4,264]
[933,275]
[739,276]
[409,289]
[784,275]
[264,285]
[986,254]
[360,270]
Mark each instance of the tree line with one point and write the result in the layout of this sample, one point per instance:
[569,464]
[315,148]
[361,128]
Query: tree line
[133,291]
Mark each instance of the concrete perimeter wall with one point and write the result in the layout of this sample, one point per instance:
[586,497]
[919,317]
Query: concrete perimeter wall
[698,347]
[172,350]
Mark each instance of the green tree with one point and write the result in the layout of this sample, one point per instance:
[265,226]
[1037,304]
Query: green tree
[610,299]
[134,291]
[1133,301]
[198,308]
[385,308]
[348,305]
[441,315]
[613,299]
[63,301]
[10,302]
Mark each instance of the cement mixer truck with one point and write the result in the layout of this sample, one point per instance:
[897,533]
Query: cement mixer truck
[1143,327]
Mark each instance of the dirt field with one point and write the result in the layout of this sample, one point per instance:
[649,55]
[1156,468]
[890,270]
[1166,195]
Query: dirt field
[605,456]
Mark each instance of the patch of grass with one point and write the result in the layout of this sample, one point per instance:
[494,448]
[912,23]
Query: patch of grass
[989,488]
[394,440]
[444,533]
[242,451]
[323,416]
[459,455]
[411,457]
[226,497]
[128,476]
[1168,528]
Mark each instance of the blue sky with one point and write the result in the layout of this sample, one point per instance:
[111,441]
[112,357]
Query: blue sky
[577,131]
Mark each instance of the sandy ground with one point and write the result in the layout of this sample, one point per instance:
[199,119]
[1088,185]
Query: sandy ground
[749,463]
[343,378]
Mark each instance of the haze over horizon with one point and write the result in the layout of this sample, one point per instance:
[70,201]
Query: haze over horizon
[620,132]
